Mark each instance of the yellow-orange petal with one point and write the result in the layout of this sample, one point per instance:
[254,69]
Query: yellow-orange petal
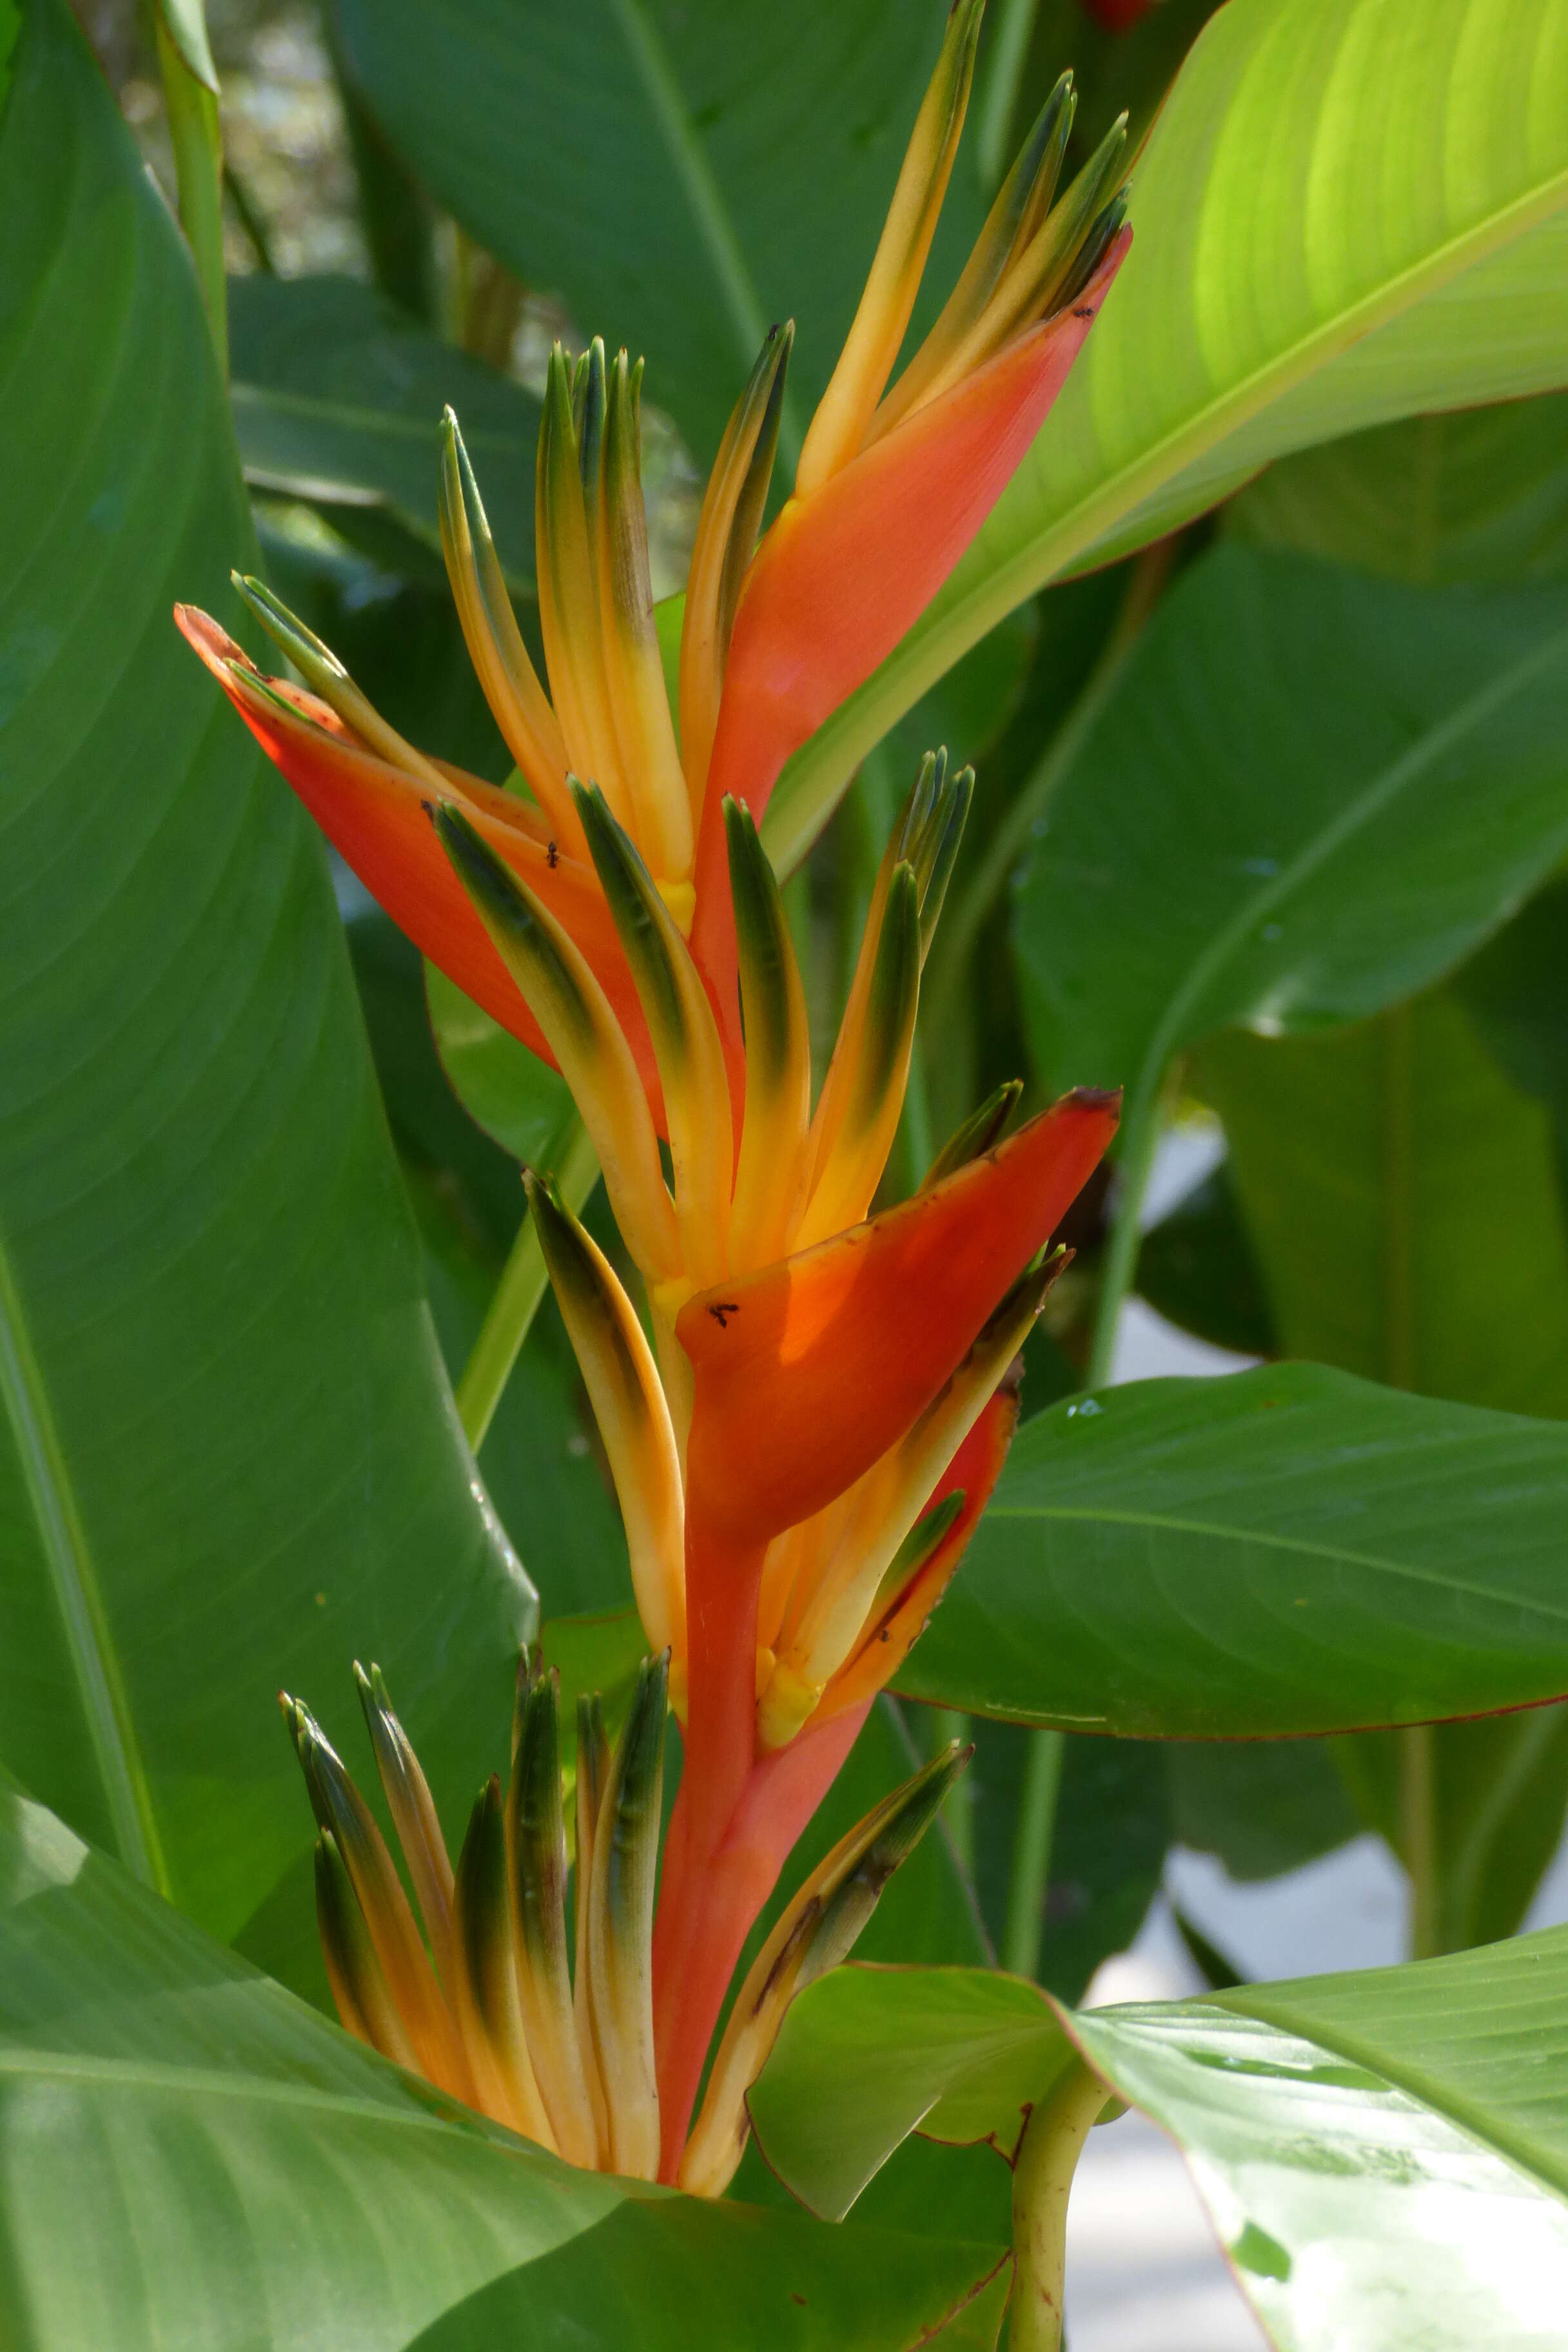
[973,1470]
[807,1373]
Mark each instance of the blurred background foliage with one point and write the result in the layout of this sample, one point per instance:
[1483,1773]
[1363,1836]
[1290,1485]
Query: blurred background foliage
[1374,1180]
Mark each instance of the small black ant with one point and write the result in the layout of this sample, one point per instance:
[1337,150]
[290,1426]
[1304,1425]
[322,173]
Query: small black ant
[552,856]
[1088,313]
[723,1310]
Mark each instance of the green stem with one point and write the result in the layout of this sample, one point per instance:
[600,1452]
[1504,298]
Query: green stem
[517,1298]
[1419,1837]
[1042,2179]
[1015,22]
[1141,1135]
[197,143]
[1024,1932]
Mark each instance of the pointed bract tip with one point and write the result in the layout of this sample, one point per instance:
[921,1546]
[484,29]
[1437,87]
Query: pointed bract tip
[1106,1098]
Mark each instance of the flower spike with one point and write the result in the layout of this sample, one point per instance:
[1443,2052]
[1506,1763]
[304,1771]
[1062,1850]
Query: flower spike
[588,1043]
[358,1981]
[529,727]
[536,1869]
[839,426]
[655,783]
[686,1041]
[404,1964]
[816,1933]
[414,1818]
[485,1996]
[620,1927]
[727,532]
[775,1160]
[629,1406]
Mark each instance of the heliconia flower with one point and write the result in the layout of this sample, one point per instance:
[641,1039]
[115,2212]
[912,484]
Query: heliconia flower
[893,485]
[802,1452]
[804,1448]
[487,2004]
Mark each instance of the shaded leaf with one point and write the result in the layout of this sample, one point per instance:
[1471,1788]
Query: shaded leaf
[337,398]
[682,177]
[243,2172]
[1285,1550]
[1481,494]
[228,1458]
[868,2055]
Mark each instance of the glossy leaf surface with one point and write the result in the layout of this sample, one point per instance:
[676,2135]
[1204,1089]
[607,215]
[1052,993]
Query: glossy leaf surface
[1285,1550]
[1383,2153]
[227,1454]
[337,398]
[243,2172]
[1349,211]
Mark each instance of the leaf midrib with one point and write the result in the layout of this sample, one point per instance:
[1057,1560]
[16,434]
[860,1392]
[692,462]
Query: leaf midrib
[318,408]
[131,2074]
[666,104]
[73,1578]
[1218,1532]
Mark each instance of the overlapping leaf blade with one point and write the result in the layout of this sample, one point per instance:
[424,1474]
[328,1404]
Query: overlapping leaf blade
[1287,1551]
[1349,211]
[682,177]
[337,399]
[227,1454]
[189,2155]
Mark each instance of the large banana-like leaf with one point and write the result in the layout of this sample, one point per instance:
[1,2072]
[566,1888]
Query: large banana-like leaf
[189,2156]
[1287,1550]
[228,1457]
[1349,211]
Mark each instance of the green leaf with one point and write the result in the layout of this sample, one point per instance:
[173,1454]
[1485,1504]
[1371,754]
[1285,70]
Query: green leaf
[1235,844]
[1402,1202]
[1383,1151]
[682,177]
[1286,1550]
[1384,2154]
[228,1453]
[1498,1797]
[1515,991]
[337,397]
[868,2055]
[1310,256]
[1481,495]
[505,1089]
[1264,1809]
[244,2173]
